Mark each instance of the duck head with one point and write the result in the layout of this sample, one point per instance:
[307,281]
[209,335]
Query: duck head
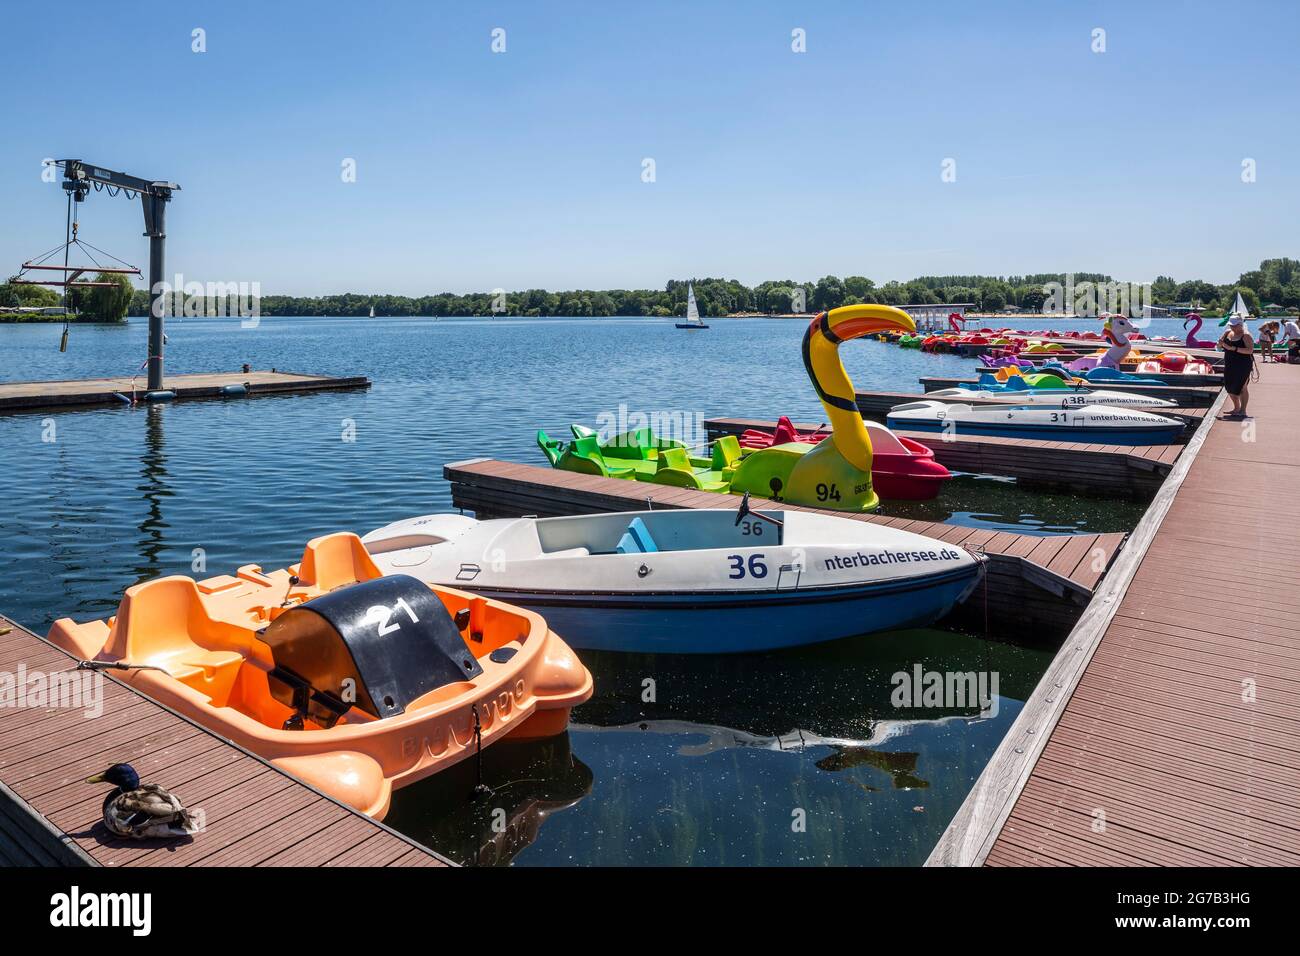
[121,775]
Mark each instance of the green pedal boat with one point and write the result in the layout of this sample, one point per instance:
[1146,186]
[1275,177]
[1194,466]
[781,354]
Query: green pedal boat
[643,456]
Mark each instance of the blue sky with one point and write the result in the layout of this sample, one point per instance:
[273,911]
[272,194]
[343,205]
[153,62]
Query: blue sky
[478,170]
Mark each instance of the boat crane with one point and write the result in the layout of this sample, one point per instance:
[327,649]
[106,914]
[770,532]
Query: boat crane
[79,177]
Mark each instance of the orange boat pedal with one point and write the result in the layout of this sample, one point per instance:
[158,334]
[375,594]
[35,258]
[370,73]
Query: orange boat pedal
[354,682]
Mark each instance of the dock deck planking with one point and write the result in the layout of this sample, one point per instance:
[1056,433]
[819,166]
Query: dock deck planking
[1155,731]
[73,393]
[255,814]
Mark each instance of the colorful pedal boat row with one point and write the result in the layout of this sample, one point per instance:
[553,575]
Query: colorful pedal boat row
[901,468]
[369,666]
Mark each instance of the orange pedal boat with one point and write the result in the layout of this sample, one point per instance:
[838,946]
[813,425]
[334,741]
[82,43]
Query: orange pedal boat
[349,680]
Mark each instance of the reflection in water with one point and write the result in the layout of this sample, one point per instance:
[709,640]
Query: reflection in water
[844,754]
[701,765]
[529,781]
[838,690]
[153,488]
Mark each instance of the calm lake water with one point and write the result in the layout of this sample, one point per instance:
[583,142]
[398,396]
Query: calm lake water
[731,754]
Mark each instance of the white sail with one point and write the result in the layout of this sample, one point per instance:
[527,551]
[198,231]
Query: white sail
[1239,307]
[372,311]
[692,312]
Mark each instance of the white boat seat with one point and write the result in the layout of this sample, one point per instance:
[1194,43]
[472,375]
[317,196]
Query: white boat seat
[569,553]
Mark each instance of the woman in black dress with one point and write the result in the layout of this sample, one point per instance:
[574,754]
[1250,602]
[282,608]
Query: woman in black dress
[1238,363]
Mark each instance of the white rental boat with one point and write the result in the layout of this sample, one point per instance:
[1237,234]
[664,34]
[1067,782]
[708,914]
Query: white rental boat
[689,581]
[1105,424]
[1055,397]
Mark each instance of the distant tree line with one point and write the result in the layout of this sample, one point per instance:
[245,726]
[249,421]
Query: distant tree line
[107,303]
[1275,282]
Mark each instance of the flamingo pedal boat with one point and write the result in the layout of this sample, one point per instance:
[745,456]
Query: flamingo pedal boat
[353,681]
[687,581]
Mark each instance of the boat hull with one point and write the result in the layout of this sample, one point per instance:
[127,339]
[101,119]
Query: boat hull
[729,623]
[1156,435]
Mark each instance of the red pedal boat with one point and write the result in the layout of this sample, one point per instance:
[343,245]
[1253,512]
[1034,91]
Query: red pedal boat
[901,469]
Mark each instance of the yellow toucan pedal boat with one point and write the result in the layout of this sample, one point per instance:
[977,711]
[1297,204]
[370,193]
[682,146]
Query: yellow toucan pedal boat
[352,681]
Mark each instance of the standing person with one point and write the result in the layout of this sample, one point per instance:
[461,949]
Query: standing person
[1267,335]
[1238,362]
[1291,339]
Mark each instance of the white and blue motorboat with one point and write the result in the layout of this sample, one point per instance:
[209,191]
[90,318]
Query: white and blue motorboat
[689,581]
[1105,424]
[1054,397]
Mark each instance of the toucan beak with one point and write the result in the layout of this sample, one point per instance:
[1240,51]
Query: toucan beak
[97,778]
[855,321]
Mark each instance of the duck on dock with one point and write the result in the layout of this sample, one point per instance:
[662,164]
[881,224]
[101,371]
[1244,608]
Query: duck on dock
[142,811]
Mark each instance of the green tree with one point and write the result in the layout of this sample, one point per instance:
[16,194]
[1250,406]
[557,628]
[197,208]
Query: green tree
[859,287]
[993,295]
[29,295]
[828,294]
[106,303]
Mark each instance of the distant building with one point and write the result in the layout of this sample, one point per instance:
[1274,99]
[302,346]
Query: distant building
[934,315]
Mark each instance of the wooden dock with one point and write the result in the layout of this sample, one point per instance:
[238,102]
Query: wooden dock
[1191,395]
[22,396]
[1167,730]
[1038,582]
[1132,470]
[876,406]
[254,813]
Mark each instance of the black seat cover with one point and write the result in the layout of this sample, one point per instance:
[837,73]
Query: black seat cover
[377,645]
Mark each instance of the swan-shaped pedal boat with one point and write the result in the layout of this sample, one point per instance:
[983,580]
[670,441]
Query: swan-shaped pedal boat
[353,681]
[689,581]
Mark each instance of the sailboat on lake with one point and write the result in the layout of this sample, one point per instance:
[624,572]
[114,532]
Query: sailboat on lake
[693,320]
